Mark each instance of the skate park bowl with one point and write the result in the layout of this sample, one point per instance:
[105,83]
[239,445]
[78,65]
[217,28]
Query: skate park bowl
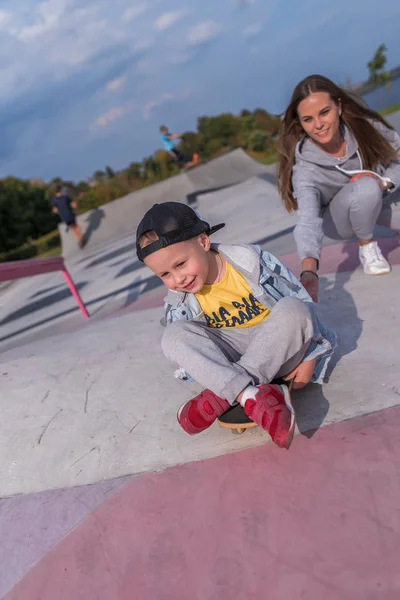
[120,217]
[102,495]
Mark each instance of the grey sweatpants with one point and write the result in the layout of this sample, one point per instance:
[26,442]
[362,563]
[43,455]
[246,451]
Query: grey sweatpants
[357,208]
[227,360]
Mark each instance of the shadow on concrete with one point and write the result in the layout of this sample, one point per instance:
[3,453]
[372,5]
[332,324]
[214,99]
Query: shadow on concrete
[32,307]
[46,290]
[339,312]
[113,254]
[134,289]
[193,197]
[274,236]
[134,266]
[269,177]
[94,221]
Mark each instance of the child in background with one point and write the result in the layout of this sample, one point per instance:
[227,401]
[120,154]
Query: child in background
[168,142]
[64,207]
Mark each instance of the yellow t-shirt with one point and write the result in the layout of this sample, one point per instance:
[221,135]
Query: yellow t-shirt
[230,302]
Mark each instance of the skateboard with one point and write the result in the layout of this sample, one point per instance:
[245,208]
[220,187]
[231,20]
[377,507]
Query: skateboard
[236,420]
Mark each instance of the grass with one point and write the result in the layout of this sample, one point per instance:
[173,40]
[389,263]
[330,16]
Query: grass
[265,158]
[49,253]
[389,109]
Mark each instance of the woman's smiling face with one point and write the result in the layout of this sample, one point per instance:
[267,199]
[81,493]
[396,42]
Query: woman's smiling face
[319,116]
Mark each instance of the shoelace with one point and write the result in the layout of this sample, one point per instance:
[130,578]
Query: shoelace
[372,252]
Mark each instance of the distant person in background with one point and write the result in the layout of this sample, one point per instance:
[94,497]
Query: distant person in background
[338,166]
[168,142]
[64,207]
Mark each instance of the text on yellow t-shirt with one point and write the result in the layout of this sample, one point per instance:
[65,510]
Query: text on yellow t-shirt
[230,302]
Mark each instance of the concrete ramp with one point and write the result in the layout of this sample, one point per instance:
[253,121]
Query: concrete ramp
[246,208]
[119,218]
[228,169]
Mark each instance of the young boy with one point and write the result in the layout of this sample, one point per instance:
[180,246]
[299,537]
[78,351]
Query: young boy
[168,143]
[63,207]
[236,320]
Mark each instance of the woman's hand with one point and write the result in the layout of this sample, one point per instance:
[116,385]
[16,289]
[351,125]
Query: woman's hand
[309,280]
[384,185]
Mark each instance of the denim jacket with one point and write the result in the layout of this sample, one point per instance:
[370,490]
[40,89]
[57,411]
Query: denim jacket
[269,281]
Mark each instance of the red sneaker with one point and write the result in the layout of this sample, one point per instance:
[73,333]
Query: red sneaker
[272,410]
[200,412]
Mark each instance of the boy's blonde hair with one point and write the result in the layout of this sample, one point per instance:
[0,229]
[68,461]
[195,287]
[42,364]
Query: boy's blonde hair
[147,238]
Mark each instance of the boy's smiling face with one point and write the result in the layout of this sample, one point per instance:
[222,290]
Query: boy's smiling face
[186,266]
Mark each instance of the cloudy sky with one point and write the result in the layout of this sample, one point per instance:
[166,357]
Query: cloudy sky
[86,83]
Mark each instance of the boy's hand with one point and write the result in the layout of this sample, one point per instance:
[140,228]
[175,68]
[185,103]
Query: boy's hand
[302,374]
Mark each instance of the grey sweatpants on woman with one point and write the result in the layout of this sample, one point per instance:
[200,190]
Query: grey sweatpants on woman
[227,360]
[357,208]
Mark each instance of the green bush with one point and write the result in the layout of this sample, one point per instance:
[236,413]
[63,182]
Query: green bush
[33,248]
[258,141]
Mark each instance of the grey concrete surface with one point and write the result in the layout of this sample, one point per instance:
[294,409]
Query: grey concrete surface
[101,402]
[89,401]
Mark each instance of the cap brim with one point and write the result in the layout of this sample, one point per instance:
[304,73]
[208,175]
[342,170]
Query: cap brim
[216,228]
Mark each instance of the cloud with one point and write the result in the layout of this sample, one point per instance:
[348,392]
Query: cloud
[165,97]
[168,19]
[116,85]
[5,18]
[48,15]
[252,30]
[111,115]
[203,32]
[133,12]
[143,43]
[145,67]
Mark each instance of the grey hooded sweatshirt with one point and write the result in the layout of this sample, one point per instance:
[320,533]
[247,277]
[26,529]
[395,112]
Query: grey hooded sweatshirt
[317,177]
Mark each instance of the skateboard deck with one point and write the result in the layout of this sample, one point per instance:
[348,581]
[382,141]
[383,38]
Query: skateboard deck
[236,420]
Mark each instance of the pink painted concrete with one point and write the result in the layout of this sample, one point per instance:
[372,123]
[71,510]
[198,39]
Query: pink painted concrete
[343,257]
[27,268]
[321,521]
[39,266]
[32,524]
[75,293]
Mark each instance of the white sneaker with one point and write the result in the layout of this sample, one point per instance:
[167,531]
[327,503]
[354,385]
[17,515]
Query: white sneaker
[372,260]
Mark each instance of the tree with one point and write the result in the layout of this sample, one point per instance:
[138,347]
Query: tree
[376,66]
[266,121]
[110,172]
[191,143]
[222,129]
[25,213]
[134,171]
[99,176]
[258,141]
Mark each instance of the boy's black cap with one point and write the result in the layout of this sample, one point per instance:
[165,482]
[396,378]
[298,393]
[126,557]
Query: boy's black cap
[173,222]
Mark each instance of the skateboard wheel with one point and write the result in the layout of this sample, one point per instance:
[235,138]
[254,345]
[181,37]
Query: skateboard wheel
[238,431]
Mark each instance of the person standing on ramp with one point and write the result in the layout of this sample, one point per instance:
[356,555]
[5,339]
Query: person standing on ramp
[64,207]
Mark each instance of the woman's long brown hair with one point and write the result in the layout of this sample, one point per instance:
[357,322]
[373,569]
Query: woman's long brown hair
[373,147]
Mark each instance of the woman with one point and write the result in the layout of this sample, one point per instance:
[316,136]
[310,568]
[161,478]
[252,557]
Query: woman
[339,164]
